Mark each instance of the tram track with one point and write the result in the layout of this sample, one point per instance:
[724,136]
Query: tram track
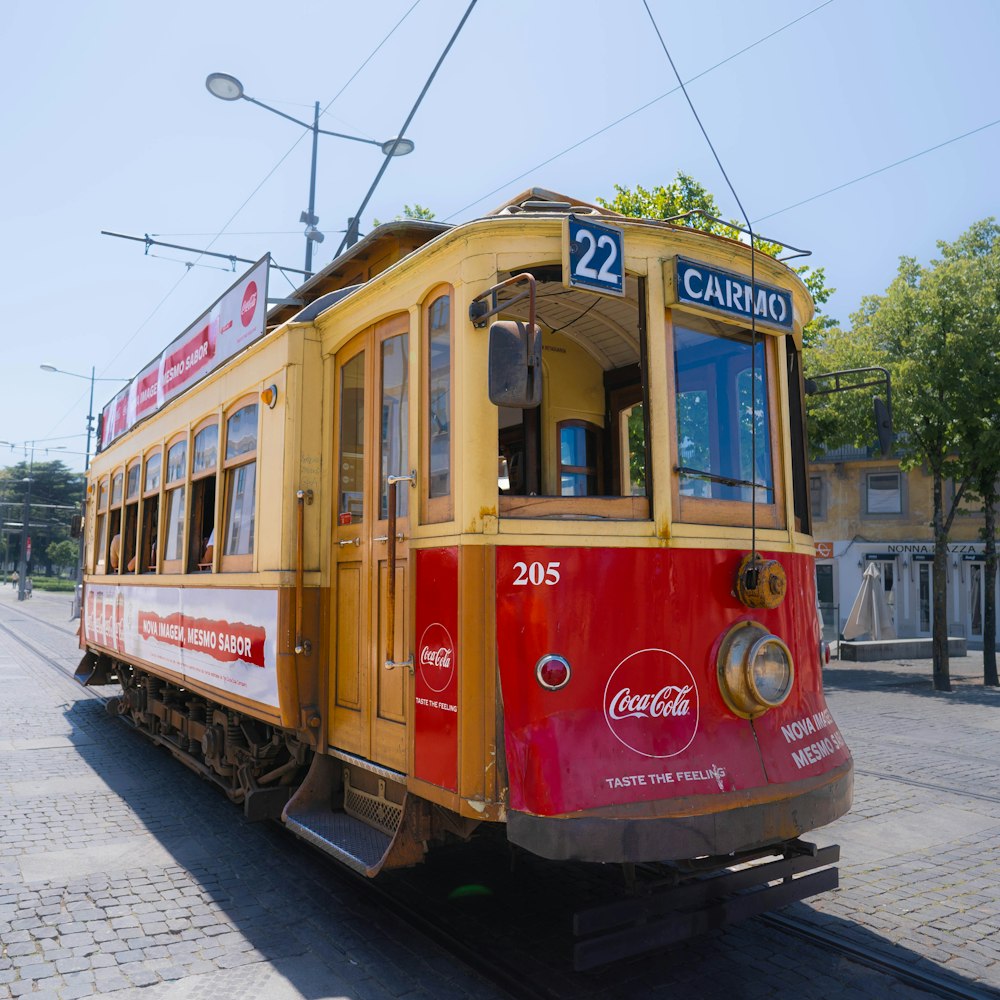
[524,974]
[929,785]
[903,971]
[42,654]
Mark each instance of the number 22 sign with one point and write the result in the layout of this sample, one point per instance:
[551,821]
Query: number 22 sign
[593,256]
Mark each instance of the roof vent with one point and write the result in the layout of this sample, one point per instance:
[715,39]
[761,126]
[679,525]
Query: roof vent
[549,208]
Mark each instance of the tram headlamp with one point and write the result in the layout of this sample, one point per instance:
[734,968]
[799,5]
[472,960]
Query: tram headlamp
[755,670]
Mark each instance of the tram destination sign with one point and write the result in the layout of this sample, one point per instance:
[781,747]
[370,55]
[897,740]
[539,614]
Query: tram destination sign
[696,284]
[593,256]
[235,320]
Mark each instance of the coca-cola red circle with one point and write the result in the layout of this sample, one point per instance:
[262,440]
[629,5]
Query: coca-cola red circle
[651,703]
[249,305]
[436,657]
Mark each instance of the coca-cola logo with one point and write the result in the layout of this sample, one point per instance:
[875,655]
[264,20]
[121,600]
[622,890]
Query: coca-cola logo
[249,305]
[436,657]
[651,703]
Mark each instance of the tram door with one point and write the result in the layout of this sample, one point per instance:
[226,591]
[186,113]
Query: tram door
[371,427]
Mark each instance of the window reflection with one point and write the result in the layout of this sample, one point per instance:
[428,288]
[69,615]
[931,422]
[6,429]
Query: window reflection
[722,406]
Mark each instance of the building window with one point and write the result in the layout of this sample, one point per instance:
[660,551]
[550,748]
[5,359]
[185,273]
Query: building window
[883,493]
[241,489]
[817,497]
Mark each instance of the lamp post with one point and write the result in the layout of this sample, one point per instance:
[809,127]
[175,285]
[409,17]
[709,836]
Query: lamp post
[86,465]
[22,569]
[228,88]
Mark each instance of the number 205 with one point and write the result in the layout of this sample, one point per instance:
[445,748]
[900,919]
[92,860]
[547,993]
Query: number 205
[536,574]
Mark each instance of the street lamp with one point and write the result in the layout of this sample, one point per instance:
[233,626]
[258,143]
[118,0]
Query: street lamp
[90,409]
[228,88]
[86,465]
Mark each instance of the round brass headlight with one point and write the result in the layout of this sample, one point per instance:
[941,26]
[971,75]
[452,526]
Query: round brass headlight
[755,670]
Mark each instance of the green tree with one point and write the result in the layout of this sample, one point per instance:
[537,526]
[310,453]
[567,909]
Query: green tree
[56,493]
[62,555]
[935,329]
[684,194]
[416,212]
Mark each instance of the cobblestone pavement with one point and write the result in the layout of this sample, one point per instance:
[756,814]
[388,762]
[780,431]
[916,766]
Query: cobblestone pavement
[921,846]
[121,870]
[123,874]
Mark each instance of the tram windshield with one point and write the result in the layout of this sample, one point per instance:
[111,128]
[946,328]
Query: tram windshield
[723,427]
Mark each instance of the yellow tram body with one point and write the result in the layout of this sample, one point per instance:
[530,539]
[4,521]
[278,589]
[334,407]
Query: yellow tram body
[391,376]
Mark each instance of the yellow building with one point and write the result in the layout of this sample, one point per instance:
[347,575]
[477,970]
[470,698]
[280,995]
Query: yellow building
[866,509]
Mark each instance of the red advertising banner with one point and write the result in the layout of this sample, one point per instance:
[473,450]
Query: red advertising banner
[235,320]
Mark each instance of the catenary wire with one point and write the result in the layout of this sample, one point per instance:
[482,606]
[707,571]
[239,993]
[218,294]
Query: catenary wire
[750,572]
[880,170]
[641,108]
[246,201]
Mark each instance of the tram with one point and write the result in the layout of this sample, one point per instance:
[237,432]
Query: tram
[504,524]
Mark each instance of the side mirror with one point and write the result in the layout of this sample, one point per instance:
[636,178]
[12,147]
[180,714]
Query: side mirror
[515,365]
[883,425]
[76,526]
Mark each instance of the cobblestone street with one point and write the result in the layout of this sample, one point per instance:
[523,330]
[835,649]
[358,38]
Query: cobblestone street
[124,874]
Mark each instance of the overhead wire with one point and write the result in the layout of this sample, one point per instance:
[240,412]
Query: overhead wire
[641,108]
[880,170]
[243,205]
[750,571]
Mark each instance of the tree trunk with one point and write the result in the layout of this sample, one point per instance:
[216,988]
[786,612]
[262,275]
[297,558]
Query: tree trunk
[989,593]
[942,679]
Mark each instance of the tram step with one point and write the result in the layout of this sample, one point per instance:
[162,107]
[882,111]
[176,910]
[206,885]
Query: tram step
[351,841]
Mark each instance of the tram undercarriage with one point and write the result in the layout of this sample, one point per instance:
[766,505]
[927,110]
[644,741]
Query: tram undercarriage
[350,808]
[255,764]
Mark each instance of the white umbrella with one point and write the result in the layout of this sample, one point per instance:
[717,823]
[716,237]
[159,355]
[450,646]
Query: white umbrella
[870,614]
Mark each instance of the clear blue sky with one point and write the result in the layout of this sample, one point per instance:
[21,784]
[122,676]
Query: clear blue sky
[107,125]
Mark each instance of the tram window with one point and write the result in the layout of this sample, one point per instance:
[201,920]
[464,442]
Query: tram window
[439,414]
[350,490]
[204,465]
[101,534]
[579,458]
[150,512]
[175,491]
[129,536]
[115,524]
[723,423]
[240,490]
[395,420]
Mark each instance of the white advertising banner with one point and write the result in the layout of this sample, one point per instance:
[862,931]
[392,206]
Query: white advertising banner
[237,319]
[224,638]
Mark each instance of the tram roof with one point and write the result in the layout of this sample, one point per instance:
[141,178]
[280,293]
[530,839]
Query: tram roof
[392,241]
